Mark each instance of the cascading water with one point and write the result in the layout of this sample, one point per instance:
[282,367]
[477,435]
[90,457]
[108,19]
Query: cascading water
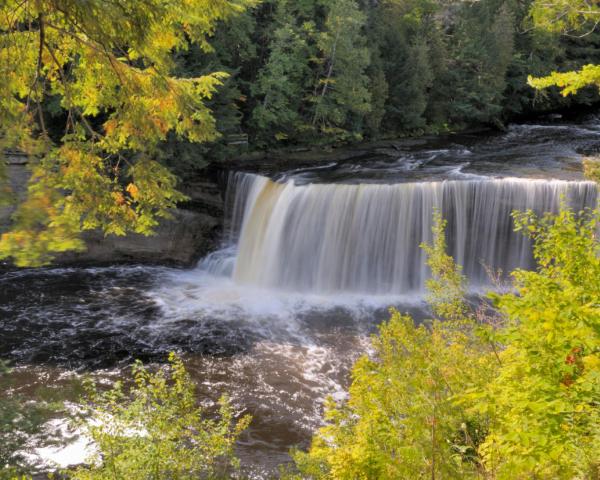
[365,238]
[255,319]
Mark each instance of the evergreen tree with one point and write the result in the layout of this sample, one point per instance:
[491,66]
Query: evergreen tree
[282,84]
[378,84]
[417,78]
[406,62]
[341,96]
[483,48]
[379,88]
[439,94]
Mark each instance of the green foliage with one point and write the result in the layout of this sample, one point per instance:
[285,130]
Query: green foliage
[591,168]
[576,17]
[445,401]
[405,57]
[282,83]
[402,419]
[564,15]
[485,36]
[155,430]
[341,92]
[112,105]
[447,286]
[109,70]
[417,78]
[545,401]
[569,82]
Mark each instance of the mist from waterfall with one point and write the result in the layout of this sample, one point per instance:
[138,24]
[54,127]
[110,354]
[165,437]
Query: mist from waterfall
[334,238]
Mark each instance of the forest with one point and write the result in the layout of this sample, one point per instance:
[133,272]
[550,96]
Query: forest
[484,258]
[318,71]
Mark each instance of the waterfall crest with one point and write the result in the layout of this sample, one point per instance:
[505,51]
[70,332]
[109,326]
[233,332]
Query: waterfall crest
[365,238]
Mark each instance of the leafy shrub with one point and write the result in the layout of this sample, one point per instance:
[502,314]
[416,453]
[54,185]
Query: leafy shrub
[155,430]
[545,400]
[402,420]
[460,399]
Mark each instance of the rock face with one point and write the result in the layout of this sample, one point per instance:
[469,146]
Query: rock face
[179,241]
[194,230]
[17,175]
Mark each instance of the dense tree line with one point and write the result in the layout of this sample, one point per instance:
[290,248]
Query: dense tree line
[328,71]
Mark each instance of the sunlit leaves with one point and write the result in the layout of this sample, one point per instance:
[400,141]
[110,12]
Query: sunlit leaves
[546,398]
[155,429]
[446,400]
[591,168]
[565,15]
[342,87]
[111,69]
[569,83]
[406,416]
[447,287]
[578,16]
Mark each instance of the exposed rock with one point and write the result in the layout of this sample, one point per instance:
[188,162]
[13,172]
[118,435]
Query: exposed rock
[193,231]
[179,241]
[17,174]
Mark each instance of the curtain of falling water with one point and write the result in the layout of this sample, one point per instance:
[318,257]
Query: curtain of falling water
[240,195]
[365,238]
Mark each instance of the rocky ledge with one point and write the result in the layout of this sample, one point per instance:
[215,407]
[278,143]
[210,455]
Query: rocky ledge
[193,231]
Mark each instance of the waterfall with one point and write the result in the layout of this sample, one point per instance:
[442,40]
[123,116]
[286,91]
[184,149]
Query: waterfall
[365,238]
[241,192]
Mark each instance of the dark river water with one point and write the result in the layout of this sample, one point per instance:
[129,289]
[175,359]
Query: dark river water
[277,352]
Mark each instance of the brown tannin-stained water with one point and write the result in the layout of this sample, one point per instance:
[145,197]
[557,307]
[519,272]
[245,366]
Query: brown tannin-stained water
[311,261]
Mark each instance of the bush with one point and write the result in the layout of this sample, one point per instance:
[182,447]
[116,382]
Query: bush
[545,400]
[460,399]
[155,430]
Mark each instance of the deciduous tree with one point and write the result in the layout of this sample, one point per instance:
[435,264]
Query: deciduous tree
[107,72]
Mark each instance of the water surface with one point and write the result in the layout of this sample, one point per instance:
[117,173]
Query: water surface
[279,331]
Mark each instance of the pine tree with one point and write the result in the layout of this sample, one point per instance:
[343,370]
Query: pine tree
[439,58]
[341,95]
[417,79]
[378,84]
[406,61]
[282,83]
[483,48]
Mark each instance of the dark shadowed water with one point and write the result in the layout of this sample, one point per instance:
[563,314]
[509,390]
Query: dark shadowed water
[277,352]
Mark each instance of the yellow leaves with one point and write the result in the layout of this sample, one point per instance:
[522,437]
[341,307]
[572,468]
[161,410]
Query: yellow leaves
[110,126]
[132,190]
[120,72]
[591,168]
[592,362]
[569,82]
[563,15]
[178,439]
[40,228]
[119,198]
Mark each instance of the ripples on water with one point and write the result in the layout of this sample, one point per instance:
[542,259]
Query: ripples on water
[277,354]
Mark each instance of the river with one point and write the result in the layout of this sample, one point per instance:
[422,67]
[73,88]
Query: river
[311,261]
